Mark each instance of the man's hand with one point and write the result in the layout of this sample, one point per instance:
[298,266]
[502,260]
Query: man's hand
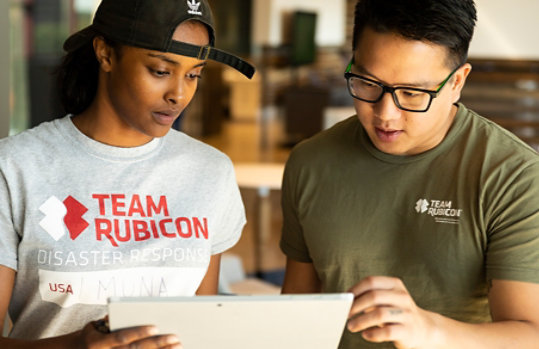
[384,311]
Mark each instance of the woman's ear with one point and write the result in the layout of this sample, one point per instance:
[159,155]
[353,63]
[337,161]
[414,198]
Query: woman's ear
[459,80]
[103,53]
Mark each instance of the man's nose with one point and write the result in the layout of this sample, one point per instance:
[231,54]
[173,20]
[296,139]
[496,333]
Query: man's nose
[386,109]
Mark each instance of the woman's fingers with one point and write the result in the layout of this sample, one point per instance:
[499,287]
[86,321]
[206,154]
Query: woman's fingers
[140,337]
[166,341]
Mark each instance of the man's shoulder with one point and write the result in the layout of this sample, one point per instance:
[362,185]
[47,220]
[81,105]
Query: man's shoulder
[494,152]
[495,140]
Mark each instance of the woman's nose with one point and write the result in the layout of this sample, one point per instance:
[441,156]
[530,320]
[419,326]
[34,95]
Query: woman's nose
[176,92]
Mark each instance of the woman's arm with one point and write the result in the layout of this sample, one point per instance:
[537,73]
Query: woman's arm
[210,283]
[7,280]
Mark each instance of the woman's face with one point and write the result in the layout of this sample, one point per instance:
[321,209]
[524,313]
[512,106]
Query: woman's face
[145,91]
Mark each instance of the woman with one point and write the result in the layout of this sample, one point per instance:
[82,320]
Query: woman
[108,201]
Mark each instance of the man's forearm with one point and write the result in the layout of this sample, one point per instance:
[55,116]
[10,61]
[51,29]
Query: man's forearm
[450,334]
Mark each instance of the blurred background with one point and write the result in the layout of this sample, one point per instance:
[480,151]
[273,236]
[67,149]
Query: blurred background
[300,48]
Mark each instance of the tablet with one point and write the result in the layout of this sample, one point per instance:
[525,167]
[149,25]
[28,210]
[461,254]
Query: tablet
[237,322]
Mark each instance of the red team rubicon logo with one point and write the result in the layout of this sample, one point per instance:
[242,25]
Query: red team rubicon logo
[119,218]
[63,214]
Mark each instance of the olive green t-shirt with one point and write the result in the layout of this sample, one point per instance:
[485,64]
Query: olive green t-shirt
[444,221]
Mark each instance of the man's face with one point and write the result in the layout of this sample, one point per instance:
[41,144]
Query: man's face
[396,61]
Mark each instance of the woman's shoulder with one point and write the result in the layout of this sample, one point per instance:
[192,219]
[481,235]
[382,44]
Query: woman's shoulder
[35,139]
[178,142]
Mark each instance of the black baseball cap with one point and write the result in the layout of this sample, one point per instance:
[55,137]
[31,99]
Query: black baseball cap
[150,24]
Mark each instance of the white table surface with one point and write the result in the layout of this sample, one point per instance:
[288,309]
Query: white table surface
[257,175]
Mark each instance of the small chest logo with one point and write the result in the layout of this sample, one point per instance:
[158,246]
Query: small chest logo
[422,205]
[442,211]
[194,7]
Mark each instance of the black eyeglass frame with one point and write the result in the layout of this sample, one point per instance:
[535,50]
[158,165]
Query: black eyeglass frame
[391,90]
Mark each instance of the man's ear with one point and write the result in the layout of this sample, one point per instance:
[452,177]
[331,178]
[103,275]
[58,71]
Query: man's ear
[459,79]
[103,53]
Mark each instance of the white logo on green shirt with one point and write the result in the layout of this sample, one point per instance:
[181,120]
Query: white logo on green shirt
[442,210]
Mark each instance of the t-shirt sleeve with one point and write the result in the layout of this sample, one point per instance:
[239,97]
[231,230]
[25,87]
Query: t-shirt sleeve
[9,240]
[232,218]
[292,240]
[513,240]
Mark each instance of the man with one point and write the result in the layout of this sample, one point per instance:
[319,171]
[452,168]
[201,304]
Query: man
[424,210]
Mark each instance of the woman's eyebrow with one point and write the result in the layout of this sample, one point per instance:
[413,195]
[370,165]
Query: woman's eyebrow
[172,61]
[164,58]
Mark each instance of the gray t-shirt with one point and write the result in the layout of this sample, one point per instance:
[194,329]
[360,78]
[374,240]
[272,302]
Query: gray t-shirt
[81,221]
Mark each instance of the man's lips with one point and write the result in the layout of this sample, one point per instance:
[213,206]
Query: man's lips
[387,135]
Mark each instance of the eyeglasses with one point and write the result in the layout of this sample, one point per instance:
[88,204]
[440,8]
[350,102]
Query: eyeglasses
[406,98]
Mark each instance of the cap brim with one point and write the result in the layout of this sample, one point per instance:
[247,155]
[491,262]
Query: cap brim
[209,52]
[87,34]
[80,38]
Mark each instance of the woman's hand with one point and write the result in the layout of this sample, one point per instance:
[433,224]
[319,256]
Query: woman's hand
[95,336]
[384,311]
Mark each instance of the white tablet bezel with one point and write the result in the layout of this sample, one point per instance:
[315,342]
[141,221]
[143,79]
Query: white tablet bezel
[258,321]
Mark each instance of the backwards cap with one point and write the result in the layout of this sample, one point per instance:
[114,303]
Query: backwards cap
[150,24]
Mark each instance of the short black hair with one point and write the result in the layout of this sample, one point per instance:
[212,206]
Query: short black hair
[449,23]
